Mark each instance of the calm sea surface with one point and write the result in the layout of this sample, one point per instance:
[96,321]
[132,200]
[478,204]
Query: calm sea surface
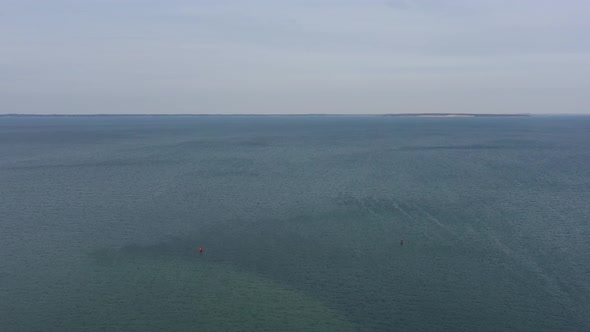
[300,220]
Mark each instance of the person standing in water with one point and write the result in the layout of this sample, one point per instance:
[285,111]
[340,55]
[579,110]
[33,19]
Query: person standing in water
[401,243]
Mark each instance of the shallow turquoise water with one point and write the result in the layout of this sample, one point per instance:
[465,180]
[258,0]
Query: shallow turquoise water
[300,219]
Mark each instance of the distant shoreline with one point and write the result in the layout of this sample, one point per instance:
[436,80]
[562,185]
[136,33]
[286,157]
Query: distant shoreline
[415,115]
[458,115]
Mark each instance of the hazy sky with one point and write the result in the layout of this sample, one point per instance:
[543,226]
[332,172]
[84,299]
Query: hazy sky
[294,56]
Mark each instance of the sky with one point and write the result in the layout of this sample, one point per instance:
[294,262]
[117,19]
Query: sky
[294,56]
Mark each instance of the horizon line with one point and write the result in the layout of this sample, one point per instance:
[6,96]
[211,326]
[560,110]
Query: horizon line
[287,114]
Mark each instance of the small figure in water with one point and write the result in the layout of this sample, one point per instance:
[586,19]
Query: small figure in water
[200,250]
[401,243]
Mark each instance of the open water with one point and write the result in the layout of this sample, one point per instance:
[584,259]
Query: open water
[300,220]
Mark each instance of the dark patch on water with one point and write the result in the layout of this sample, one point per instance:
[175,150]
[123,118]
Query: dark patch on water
[89,165]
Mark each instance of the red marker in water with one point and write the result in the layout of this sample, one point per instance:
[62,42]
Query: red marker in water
[201,250]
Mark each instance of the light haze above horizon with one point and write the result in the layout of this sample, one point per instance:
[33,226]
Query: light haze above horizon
[294,57]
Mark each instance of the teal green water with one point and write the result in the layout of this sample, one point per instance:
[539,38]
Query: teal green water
[300,219]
